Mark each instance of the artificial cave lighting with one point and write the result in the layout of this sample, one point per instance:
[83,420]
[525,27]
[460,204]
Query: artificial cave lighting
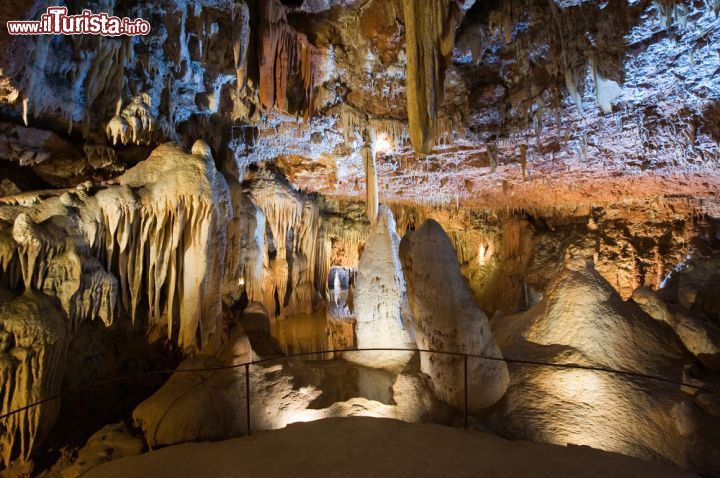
[501,216]
[382,144]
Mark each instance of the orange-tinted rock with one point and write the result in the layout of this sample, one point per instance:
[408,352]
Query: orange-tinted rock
[286,62]
[430,36]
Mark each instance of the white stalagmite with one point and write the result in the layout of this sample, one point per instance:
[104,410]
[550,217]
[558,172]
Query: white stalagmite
[447,318]
[379,298]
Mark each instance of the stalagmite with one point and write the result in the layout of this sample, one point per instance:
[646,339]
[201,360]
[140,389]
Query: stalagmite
[351,122]
[430,36]
[379,298]
[530,130]
[447,318]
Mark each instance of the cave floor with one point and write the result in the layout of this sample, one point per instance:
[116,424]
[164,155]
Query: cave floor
[362,447]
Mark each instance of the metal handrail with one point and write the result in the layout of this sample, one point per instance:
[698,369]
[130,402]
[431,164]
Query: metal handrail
[247,365]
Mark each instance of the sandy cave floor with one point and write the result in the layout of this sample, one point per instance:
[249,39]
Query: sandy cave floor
[363,447]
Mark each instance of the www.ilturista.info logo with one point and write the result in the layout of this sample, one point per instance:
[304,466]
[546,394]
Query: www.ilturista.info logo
[56,21]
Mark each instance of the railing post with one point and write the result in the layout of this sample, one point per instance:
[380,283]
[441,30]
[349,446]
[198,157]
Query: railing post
[247,397]
[466,391]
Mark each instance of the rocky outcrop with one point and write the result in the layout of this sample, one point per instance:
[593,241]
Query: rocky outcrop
[379,298]
[582,321]
[211,405]
[447,318]
[194,406]
[111,442]
[34,338]
[692,309]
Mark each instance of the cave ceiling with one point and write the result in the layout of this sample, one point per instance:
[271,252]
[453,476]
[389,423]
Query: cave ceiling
[487,103]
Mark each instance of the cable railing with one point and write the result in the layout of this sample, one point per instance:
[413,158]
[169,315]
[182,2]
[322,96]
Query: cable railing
[247,365]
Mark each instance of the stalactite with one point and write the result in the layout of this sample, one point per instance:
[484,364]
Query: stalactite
[280,219]
[430,35]
[32,363]
[570,80]
[241,42]
[286,56]
[492,152]
[99,69]
[25,111]
[287,283]
[606,90]
[507,21]
[371,184]
[165,244]
[135,124]
[523,159]
[352,123]
[394,131]
[49,260]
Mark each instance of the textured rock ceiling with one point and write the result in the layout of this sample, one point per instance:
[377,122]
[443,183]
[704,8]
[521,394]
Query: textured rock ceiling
[518,103]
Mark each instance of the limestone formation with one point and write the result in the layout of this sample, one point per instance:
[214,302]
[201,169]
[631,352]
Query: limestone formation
[288,62]
[447,319]
[582,321]
[34,338]
[379,297]
[211,405]
[700,337]
[430,37]
[111,442]
[194,406]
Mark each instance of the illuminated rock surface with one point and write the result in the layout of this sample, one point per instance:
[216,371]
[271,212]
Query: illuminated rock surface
[582,321]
